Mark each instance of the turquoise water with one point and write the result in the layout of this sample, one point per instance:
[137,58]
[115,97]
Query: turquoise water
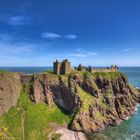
[128,130]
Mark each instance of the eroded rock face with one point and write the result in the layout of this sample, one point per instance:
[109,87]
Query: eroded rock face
[50,88]
[9,91]
[96,101]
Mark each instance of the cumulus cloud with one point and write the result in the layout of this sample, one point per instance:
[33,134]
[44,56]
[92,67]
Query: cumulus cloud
[52,36]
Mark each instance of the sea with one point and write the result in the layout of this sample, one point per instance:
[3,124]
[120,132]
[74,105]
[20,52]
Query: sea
[127,130]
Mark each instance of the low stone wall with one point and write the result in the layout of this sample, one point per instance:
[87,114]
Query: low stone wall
[25,78]
[103,70]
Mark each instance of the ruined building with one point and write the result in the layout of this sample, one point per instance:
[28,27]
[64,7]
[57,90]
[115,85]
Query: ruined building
[113,68]
[62,67]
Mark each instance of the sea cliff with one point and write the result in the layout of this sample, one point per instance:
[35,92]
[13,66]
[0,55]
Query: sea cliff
[9,90]
[95,101]
[80,101]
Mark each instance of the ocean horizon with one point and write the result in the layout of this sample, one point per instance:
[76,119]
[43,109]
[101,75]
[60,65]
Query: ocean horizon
[36,69]
[133,73]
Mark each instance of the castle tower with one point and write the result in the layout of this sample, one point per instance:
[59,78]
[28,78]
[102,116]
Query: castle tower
[56,67]
[62,67]
[66,67]
[114,68]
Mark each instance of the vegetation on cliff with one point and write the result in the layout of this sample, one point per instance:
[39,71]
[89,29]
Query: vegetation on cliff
[92,102]
[30,121]
[96,100]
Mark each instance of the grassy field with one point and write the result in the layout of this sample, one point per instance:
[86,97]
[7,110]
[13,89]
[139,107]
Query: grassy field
[30,121]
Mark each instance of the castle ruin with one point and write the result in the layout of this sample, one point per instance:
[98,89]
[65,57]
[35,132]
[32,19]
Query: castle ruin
[113,68]
[63,67]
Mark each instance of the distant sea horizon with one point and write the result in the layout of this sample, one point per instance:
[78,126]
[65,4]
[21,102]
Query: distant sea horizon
[37,69]
[132,72]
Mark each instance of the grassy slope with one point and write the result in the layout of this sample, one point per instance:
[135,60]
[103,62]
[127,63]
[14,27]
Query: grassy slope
[31,121]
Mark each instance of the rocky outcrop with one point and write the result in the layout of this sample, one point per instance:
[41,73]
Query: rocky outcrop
[95,101]
[50,87]
[9,90]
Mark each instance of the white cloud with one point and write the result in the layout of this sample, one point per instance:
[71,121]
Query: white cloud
[15,20]
[70,36]
[18,20]
[128,49]
[51,36]
[82,54]
[77,53]
[13,53]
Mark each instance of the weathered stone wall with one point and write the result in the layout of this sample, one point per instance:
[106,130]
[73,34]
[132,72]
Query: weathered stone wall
[103,70]
[25,78]
[62,67]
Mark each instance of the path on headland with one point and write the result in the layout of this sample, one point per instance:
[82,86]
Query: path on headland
[23,123]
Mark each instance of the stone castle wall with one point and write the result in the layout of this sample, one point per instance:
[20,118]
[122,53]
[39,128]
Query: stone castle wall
[103,70]
[62,67]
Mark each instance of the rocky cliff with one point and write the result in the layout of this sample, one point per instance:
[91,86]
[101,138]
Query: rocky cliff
[95,101]
[9,90]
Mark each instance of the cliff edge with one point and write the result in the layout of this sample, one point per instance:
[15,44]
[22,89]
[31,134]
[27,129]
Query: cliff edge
[94,101]
[9,90]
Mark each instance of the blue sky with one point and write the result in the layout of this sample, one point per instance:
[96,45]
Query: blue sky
[91,32]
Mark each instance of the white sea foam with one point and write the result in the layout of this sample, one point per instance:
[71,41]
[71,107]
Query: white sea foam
[127,118]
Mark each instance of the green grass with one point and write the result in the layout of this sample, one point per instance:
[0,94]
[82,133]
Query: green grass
[107,74]
[86,74]
[48,71]
[36,119]
[86,99]
[4,71]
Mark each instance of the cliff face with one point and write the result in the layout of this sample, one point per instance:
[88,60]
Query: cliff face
[95,101]
[9,90]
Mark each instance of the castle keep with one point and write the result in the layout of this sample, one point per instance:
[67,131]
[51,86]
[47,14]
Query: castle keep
[62,67]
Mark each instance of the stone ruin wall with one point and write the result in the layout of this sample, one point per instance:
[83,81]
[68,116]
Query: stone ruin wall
[103,70]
